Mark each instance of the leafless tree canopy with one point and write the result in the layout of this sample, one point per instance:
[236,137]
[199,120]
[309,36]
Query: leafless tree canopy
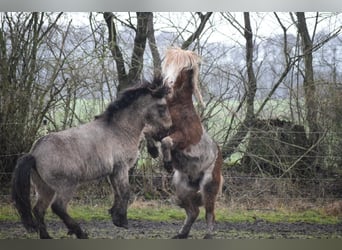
[273,72]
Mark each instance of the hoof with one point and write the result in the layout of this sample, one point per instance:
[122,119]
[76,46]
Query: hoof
[119,220]
[208,237]
[124,225]
[82,235]
[168,166]
[45,237]
[79,234]
[180,236]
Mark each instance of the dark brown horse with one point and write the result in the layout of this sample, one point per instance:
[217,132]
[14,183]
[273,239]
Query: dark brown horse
[107,146]
[188,149]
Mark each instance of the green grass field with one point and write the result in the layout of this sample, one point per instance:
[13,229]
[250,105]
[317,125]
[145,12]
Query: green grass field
[156,211]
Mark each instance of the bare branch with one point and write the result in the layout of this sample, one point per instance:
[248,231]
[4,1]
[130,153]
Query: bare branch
[204,19]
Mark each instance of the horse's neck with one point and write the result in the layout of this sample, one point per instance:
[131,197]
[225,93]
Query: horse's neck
[181,101]
[185,120]
[130,124]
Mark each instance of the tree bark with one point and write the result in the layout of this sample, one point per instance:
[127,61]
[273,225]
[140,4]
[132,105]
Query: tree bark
[136,65]
[115,49]
[137,61]
[251,84]
[309,84]
[311,102]
[204,19]
[242,130]
[157,71]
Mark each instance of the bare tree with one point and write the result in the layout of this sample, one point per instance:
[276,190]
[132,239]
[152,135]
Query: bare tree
[204,18]
[309,83]
[153,47]
[242,130]
[136,65]
[25,102]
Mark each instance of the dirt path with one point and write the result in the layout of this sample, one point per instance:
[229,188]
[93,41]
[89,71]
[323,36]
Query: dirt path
[165,230]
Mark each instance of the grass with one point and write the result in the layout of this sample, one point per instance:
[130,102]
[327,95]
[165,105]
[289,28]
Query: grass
[157,211]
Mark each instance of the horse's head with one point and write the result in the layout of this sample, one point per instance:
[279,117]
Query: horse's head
[158,118]
[181,67]
[146,102]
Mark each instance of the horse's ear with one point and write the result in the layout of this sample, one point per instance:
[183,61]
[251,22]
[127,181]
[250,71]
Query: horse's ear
[157,81]
[161,91]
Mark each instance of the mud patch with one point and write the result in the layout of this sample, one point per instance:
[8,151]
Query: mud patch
[165,230]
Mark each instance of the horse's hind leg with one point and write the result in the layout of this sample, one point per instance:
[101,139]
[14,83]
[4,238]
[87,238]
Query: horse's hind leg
[59,207]
[189,199]
[191,215]
[191,205]
[45,195]
[210,192]
[209,204]
[39,211]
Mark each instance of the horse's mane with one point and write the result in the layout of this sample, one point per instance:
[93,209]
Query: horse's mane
[176,60]
[129,95]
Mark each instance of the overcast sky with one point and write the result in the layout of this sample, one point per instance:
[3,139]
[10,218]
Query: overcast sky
[264,24]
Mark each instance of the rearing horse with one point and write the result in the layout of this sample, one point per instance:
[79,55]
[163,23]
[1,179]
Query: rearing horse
[188,149]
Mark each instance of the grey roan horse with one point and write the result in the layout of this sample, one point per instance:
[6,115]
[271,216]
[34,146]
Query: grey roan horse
[106,146]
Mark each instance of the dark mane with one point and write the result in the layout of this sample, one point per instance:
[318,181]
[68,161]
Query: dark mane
[129,95]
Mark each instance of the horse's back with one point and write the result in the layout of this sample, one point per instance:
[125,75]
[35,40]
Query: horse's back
[73,155]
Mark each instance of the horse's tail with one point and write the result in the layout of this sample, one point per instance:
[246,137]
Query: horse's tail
[220,192]
[21,183]
[219,163]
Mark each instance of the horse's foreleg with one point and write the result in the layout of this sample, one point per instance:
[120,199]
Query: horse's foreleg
[59,207]
[152,148]
[167,144]
[120,183]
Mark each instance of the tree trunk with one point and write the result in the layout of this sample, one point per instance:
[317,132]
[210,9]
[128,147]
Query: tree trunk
[309,84]
[137,61]
[204,19]
[136,65]
[242,130]
[157,71]
[115,49]
[251,84]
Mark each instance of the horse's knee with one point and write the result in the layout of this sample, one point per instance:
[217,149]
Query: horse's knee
[186,200]
[166,145]
[167,142]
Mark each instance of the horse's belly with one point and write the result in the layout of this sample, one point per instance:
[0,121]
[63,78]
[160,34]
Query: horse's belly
[196,158]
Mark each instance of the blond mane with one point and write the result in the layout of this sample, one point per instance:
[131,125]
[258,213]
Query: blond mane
[175,61]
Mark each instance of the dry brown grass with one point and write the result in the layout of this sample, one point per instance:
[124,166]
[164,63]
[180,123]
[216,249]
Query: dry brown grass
[334,208]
